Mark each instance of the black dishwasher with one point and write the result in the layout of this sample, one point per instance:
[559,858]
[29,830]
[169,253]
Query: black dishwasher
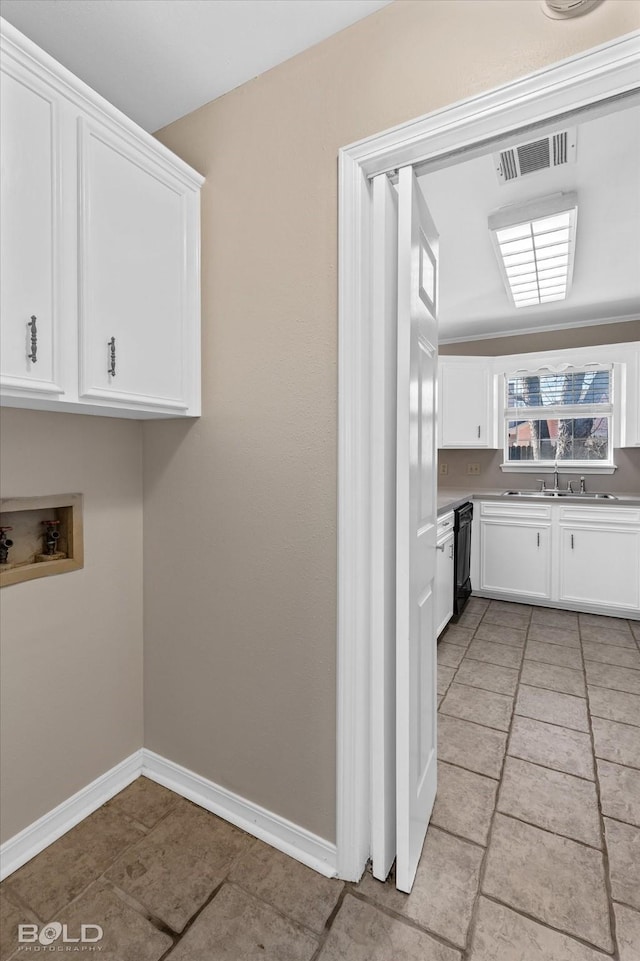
[463,517]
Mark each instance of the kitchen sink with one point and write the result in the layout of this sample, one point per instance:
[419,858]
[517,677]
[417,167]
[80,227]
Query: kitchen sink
[585,496]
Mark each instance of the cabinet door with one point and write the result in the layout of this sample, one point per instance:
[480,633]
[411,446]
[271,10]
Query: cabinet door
[632,401]
[465,395]
[516,558]
[600,566]
[29,232]
[133,235]
[444,582]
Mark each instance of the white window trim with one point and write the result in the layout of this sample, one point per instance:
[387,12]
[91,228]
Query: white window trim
[558,411]
[564,467]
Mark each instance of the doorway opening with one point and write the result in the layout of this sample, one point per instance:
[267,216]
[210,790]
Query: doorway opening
[600,80]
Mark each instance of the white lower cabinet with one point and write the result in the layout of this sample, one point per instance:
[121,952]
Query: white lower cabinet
[444,572]
[600,557]
[585,556]
[515,553]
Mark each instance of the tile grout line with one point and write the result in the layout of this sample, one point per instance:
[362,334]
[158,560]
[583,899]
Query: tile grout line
[555,834]
[177,937]
[315,934]
[572,936]
[483,864]
[480,893]
[605,849]
[405,920]
[468,770]
[328,925]
[140,908]
[545,767]
[99,877]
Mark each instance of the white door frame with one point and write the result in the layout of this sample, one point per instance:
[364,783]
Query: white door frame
[598,74]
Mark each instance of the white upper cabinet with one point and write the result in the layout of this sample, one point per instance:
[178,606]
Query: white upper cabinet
[133,322]
[631,432]
[100,243]
[466,409]
[29,231]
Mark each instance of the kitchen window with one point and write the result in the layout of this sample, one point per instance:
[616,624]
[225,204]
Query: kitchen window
[561,415]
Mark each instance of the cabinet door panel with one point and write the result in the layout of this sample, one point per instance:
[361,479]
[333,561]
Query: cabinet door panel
[444,582]
[585,576]
[30,239]
[132,276]
[516,558]
[464,405]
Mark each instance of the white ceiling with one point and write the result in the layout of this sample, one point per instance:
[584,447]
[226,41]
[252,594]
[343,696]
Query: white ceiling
[158,60]
[606,277]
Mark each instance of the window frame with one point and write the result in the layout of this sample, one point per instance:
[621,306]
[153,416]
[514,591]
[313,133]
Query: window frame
[560,412]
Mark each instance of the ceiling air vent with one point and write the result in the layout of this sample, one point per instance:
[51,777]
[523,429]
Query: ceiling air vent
[541,154]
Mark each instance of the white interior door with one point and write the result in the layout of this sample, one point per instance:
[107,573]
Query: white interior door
[416,526]
[384,317]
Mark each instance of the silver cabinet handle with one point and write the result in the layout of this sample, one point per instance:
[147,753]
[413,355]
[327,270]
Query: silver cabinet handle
[572,542]
[33,356]
[538,536]
[112,357]
[450,551]
[478,431]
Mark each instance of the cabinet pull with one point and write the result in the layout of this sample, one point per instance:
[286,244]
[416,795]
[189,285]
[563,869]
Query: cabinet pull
[478,431]
[572,542]
[538,537]
[450,551]
[33,356]
[112,357]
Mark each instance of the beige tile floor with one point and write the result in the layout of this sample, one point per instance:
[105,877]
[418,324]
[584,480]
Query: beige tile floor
[533,853]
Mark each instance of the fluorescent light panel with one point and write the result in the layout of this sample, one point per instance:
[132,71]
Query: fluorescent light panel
[536,255]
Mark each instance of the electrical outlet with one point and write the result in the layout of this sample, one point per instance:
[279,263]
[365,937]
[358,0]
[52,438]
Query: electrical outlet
[444,468]
[473,468]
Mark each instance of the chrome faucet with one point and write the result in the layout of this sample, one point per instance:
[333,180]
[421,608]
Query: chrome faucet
[556,479]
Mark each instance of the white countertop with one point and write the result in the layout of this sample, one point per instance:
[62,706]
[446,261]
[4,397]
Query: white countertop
[449,498]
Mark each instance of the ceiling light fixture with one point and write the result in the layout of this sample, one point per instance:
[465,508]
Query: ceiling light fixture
[535,245]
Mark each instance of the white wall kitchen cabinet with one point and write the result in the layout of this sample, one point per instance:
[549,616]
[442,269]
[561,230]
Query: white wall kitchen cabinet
[466,408]
[133,316]
[444,572]
[631,431]
[113,276]
[30,232]
[599,559]
[515,549]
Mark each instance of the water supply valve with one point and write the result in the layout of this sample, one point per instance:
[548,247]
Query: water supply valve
[5,544]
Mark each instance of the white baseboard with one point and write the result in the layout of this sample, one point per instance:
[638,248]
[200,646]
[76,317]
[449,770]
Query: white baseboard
[274,830]
[23,846]
[271,828]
